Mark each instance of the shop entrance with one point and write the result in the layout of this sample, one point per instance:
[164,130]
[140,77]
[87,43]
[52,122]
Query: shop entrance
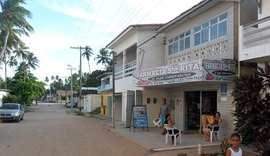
[196,104]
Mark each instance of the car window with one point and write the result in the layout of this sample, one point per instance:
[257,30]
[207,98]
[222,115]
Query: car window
[6,106]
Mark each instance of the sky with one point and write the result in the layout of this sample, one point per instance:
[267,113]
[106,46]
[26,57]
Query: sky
[61,24]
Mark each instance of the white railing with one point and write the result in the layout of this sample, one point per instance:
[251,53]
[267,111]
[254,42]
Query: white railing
[104,87]
[256,31]
[129,68]
[118,73]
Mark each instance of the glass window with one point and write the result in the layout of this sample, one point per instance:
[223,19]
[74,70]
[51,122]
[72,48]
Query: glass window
[223,16]
[222,29]
[181,45]
[187,42]
[213,32]
[182,36]
[175,47]
[188,33]
[205,35]
[198,28]
[170,49]
[213,21]
[197,38]
[205,25]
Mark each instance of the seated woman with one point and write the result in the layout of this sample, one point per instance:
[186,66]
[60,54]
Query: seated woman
[215,126]
[169,124]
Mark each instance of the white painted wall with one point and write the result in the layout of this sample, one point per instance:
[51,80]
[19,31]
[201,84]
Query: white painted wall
[126,42]
[153,109]
[2,93]
[125,84]
[91,102]
[151,54]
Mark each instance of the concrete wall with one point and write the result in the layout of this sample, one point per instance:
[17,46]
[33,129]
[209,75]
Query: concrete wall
[125,84]
[248,11]
[126,42]
[265,9]
[151,54]
[91,102]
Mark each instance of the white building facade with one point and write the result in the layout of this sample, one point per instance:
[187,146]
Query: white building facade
[200,62]
[130,58]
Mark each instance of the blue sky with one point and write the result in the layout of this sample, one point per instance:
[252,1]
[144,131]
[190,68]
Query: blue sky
[60,24]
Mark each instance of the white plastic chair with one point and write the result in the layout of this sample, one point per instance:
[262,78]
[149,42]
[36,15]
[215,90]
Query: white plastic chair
[157,122]
[215,134]
[170,133]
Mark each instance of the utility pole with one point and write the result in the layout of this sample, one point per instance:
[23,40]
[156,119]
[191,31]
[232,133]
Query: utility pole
[80,74]
[71,83]
[113,98]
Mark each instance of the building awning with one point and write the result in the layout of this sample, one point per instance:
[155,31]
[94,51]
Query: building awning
[192,71]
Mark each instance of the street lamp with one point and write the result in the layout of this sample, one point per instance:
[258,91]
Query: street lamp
[71,82]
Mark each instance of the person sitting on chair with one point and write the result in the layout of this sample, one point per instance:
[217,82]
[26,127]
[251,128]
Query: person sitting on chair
[169,124]
[214,126]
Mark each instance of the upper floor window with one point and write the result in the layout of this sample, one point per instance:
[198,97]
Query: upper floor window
[179,43]
[210,30]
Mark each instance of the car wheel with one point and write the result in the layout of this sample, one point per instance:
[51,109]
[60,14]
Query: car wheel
[22,118]
[18,120]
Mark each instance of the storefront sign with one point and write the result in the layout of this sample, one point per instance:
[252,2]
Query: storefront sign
[170,74]
[186,72]
[219,69]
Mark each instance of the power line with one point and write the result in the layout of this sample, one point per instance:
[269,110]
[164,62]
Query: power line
[83,20]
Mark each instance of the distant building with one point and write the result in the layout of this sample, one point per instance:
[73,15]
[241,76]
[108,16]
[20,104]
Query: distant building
[3,92]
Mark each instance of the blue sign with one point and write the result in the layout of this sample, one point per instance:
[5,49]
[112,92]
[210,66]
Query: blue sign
[140,116]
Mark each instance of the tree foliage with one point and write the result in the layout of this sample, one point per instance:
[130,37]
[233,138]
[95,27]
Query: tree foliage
[252,107]
[25,87]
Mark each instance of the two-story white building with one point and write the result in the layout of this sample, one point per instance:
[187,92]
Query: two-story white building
[130,58]
[200,62]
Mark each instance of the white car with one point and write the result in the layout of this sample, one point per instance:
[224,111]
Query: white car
[11,111]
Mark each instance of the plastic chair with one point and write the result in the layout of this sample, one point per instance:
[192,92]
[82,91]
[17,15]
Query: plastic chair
[170,133]
[216,134]
[157,123]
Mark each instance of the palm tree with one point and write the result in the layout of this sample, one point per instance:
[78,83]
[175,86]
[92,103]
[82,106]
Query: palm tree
[47,79]
[104,58]
[88,52]
[13,16]
[32,61]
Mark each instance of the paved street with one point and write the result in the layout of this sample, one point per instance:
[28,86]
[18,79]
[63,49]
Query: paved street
[50,130]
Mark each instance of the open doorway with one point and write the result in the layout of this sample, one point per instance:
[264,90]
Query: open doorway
[198,103]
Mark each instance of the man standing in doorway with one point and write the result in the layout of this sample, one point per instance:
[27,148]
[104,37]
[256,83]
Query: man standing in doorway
[164,110]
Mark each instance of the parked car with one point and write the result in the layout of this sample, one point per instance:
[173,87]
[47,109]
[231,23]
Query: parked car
[11,111]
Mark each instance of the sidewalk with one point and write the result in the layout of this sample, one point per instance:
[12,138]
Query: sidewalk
[155,142]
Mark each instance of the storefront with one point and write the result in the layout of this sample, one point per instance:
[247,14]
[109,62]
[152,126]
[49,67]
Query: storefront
[195,88]
[197,104]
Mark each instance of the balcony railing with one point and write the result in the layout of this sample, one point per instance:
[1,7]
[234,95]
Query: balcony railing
[118,73]
[129,68]
[256,31]
[105,87]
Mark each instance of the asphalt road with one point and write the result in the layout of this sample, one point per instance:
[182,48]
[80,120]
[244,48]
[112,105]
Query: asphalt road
[51,130]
